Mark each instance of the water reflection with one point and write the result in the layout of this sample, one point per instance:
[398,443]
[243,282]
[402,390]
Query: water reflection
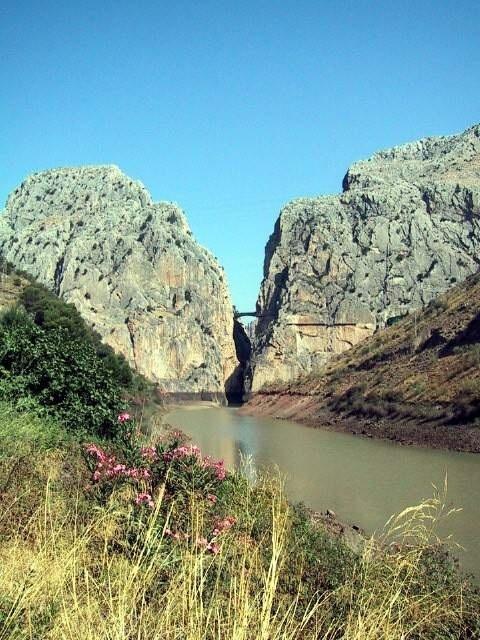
[364,481]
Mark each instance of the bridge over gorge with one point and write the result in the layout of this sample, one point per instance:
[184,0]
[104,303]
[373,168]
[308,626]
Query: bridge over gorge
[254,314]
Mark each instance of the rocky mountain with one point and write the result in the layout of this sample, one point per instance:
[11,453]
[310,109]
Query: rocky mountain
[405,228]
[133,270]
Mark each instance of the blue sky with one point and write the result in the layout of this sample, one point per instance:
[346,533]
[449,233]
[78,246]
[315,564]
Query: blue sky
[230,108]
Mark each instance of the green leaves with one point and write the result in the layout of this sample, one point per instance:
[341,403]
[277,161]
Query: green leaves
[61,371]
[50,313]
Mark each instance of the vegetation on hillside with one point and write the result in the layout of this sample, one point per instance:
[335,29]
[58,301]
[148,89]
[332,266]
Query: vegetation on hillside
[51,314]
[50,358]
[58,372]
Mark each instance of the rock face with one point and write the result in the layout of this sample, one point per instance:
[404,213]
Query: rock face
[405,228]
[133,270]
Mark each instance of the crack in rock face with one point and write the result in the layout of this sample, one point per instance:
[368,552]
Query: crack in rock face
[405,228]
[133,270]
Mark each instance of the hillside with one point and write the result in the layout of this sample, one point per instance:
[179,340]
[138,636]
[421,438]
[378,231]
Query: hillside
[52,362]
[337,268]
[417,381]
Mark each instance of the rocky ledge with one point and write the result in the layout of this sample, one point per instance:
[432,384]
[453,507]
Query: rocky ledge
[133,270]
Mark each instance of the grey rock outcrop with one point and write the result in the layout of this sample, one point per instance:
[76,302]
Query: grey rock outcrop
[132,269]
[405,228]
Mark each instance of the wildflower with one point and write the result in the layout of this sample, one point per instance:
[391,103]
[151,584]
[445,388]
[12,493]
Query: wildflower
[149,453]
[137,473]
[181,452]
[211,498]
[108,467]
[217,467]
[202,543]
[175,535]
[118,468]
[224,525]
[144,498]
[211,546]
[96,451]
[123,417]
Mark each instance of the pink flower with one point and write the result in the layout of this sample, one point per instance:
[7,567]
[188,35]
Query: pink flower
[176,535]
[211,546]
[107,467]
[123,417]
[181,452]
[224,525]
[217,467]
[145,498]
[149,453]
[96,451]
[137,473]
[118,468]
[211,498]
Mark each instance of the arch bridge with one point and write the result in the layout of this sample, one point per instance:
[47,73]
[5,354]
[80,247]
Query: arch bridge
[254,314]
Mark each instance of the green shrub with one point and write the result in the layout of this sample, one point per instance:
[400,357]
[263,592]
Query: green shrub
[62,373]
[50,313]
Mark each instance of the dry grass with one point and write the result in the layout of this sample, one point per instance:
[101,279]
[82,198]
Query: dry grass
[74,583]
[66,576]
[386,598]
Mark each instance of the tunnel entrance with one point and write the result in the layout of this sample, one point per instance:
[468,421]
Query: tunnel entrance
[234,387]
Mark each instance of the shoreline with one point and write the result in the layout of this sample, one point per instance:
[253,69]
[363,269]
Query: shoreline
[309,411]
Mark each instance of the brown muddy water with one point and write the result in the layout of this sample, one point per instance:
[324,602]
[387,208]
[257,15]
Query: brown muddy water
[363,481]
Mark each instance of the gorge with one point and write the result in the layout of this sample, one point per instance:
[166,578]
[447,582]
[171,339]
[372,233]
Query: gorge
[337,268]
[349,331]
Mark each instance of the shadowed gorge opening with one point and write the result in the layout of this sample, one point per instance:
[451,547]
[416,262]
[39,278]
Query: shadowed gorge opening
[234,386]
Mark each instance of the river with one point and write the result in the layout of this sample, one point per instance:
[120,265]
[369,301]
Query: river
[364,481]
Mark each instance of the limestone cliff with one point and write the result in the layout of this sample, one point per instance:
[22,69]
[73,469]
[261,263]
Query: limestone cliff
[133,270]
[405,228]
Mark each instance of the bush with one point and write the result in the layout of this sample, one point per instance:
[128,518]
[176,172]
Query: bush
[50,313]
[164,543]
[62,373]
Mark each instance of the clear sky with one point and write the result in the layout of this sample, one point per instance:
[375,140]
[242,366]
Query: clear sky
[230,108]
